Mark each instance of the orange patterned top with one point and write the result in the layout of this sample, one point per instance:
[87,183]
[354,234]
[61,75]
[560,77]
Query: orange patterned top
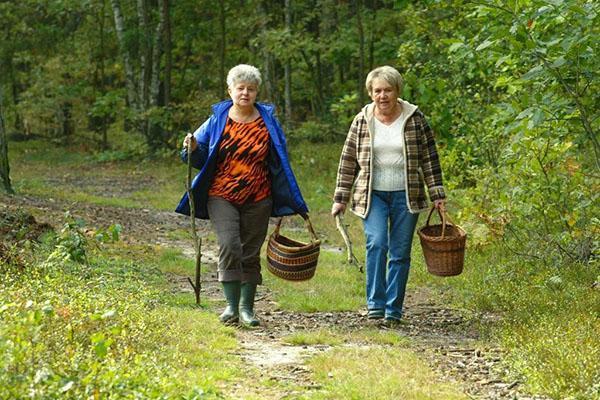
[242,174]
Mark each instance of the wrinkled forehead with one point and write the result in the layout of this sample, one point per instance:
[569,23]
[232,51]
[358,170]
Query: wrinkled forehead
[381,83]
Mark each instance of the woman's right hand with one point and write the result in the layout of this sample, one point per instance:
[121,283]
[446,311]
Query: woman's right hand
[190,141]
[337,208]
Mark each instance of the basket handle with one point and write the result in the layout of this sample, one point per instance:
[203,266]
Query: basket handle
[309,227]
[444,217]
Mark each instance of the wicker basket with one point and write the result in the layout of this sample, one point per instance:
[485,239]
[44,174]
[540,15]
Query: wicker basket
[443,246]
[290,259]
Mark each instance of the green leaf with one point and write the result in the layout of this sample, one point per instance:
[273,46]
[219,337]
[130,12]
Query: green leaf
[559,62]
[536,119]
[67,386]
[502,60]
[525,113]
[533,72]
[455,46]
[486,43]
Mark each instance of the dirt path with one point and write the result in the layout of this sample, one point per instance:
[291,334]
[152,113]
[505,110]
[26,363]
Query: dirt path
[441,335]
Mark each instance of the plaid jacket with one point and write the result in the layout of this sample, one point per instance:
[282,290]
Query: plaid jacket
[421,162]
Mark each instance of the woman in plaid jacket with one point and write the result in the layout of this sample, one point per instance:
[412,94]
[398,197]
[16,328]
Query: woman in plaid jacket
[388,158]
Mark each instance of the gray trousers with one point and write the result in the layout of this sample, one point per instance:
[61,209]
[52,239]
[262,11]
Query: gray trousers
[241,231]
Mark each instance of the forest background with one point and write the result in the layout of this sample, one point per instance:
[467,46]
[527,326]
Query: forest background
[510,87]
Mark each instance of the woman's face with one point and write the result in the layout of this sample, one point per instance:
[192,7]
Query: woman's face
[243,94]
[384,95]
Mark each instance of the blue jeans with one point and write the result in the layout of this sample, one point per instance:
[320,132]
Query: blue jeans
[389,229]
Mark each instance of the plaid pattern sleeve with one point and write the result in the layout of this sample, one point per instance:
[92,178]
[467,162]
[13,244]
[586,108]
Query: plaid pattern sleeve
[430,162]
[348,166]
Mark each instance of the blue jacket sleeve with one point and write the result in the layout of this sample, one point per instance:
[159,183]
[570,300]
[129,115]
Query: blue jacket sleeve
[200,155]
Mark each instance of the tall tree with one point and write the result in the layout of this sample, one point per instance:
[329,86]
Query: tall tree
[222,45]
[268,68]
[166,12]
[4,166]
[361,53]
[288,69]
[143,90]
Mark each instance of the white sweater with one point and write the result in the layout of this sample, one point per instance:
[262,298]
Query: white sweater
[388,155]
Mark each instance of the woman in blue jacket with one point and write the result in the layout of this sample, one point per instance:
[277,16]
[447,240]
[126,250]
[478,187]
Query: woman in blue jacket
[245,177]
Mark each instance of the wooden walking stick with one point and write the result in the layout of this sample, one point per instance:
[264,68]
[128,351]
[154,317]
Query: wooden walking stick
[197,240]
[339,221]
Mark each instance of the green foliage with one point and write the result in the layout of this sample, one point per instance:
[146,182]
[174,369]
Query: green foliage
[510,87]
[546,317]
[71,242]
[558,355]
[110,234]
[104,330]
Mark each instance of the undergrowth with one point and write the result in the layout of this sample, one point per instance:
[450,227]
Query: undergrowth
[99,326]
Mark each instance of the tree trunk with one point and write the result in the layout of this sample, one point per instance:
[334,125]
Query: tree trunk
[372,35]
[361,54]
[167,49]
[268,72]
[156,133]
[153,99]
[145,54]
[105,118]
[4,166]
[288,70]
[19,125]
[222,45]
[132,91]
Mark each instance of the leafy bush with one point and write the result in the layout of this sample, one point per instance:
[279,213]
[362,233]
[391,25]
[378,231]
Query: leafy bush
[102,328]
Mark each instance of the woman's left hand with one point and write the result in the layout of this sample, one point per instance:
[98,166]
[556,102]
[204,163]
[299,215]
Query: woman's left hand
[440,204]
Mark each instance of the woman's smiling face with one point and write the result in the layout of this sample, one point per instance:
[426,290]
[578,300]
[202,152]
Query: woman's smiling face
[384,95]
[243,94]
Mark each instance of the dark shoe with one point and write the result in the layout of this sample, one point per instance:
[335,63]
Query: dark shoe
[247,316]
[375,314]
[232,292]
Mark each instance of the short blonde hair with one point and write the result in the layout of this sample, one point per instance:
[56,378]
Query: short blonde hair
[243,73]
[388,74]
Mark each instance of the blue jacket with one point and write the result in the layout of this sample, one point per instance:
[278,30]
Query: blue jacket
[287,199]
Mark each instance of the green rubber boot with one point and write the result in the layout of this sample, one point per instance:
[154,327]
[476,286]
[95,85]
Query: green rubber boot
[247,316]
[232,294]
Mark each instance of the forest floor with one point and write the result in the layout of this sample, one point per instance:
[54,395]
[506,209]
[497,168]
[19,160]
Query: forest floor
[448,342]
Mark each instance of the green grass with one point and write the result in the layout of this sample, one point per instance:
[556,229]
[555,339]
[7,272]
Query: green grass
[74,175]
[107,329]
[378,374]
[548,314]
[171,260]
[335,287]
[549,318]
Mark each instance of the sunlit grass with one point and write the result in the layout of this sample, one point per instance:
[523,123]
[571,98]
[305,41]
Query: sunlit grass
[335,287]
[377,374]
[335,337]
[173,261]
[114,319]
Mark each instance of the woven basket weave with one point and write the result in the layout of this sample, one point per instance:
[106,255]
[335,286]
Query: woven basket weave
[290,259]
[443,246]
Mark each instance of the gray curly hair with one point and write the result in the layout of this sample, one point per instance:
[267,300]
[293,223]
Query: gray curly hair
[388,74]
[243,73]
